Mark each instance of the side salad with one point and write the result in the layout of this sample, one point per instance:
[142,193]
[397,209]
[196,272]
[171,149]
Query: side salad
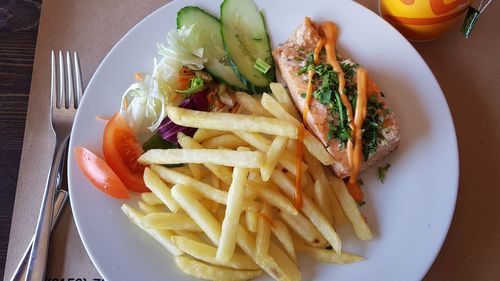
[202,63]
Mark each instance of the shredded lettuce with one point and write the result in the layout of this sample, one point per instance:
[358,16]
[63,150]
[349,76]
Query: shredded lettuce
[144,102]
[143,106]
[178,51]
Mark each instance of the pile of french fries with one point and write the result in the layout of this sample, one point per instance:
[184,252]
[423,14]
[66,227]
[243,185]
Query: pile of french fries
[227,214]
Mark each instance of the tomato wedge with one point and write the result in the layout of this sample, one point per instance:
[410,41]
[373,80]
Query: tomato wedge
[121,150]
[99,173]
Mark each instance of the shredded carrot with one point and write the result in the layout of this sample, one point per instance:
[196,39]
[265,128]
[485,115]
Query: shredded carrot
[267,218]
[298,163]
[138,76]
[184,77]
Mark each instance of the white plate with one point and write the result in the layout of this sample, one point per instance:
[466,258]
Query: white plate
[410,213]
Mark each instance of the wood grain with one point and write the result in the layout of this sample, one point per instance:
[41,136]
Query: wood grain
[18,34]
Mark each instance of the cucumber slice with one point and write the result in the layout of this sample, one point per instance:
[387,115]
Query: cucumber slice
[246,40]
[206,31]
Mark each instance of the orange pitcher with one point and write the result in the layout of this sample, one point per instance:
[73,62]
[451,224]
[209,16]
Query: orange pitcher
[422,20]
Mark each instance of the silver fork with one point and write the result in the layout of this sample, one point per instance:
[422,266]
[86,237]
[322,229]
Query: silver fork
[59,203]
[64,103]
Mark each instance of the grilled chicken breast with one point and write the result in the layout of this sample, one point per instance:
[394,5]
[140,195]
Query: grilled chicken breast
[290,58]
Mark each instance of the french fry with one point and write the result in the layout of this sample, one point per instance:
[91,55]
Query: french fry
[225,157]
[196,170]
[351,210]
[313,145]
[251,104]
[234,207]
[284,262]
[229,141]
[231,122]
[202,135]
[252,206]
[329,256]
[304,228]
[146,208]
[298,243]
[222,172]
[322,199]
[207,253]
[263,233]
[169,221]
[252,218]
[282,96]
[276,149]
[210,272]
[215,182]
[162,236]
[292,146]
[184,169]
[201,188]
[339,217]
[160,189]
[272,197]
[311,211]
[150,198]
[262,144]
[221,212]
[307,184]
[281,232]
[269,265]
[196,236]
[322,190]
[186,199]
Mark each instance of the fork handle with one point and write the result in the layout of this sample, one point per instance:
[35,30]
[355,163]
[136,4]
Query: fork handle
[39,250]
[20,272]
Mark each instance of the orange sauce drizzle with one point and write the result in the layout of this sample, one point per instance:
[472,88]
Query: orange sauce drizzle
[359,119]
[328,32]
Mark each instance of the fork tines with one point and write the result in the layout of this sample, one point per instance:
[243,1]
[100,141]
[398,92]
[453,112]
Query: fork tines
[69,81]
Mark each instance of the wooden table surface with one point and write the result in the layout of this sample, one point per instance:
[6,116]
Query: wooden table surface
[18,34]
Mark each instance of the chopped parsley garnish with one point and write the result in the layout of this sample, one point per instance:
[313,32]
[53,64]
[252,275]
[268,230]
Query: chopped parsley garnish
[326,85]
[382,172]
[309,62]
[372,126]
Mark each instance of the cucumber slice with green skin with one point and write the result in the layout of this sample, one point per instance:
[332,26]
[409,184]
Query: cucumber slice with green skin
[206,32]
[245,38]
